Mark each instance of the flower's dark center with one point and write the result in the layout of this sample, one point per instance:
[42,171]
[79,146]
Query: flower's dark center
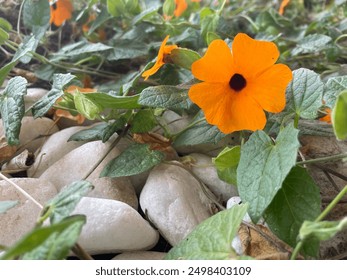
[237,82]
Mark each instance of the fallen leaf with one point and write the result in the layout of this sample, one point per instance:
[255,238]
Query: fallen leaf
[260,243]
[156,142]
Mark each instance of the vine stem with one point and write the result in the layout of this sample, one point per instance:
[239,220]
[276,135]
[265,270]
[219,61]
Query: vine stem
[18,188]
[323,159]
[326,211]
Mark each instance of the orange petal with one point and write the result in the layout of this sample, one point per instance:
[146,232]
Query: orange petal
[163,50]
[269,89]
[327,117]
[284,4]
[251,57]
[181,6]
[73,88]
[216,65]
[66,114]
[228,110]
[152,70]
[60,12]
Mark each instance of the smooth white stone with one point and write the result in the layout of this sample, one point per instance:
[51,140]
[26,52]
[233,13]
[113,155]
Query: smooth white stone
[140,255]
[76,164]
[32,132]
[55,147]
[113,226]
[203,168]
[20,219]
[173,200]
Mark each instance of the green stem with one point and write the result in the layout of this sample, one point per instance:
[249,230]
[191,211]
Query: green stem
[323,159]
[332,204]
[221,7]
[326,211]
[296,120]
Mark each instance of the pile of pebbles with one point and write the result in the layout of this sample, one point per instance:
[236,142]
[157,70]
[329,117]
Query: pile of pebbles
[175,198]
[127,216]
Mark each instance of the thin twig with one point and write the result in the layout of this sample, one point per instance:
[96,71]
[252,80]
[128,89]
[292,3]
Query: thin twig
[18,188]
[331,180]
[81,253]
[333,172]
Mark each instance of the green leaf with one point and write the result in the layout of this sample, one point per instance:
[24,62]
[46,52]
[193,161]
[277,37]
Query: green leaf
[209,23]
[3,36]
[136,159]
[311,44]
[146,14]
[114,127]
[23,49]
[201,133]
[108,101]
[211,240]
[126,49]
[168,97]
[101,131]
[5,25]
[88,48]
[323,230]
[184,57]
[6,205]
[226,163]
[339,116]
[85,106]
[36,16]
[66,200]
[48,243]
[263,167]
[122,7]
[45,103]
[332,89]
[304,94]
[143,121]
[211,36]
[12,108]
[298,200]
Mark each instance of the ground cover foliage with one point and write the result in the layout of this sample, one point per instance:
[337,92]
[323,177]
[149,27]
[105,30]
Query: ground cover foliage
[116,49]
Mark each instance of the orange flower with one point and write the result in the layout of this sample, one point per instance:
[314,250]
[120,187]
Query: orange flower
[238,86]
[60,113]
[61,10]
[181,6]
[327,117]
[284,4]
[164,51]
